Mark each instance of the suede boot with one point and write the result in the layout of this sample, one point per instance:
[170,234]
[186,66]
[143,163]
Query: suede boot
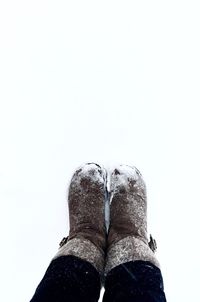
[127,235]
[86,203]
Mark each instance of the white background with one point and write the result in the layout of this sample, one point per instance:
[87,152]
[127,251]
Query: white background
[104,81]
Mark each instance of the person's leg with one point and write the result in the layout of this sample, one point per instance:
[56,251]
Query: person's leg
[137,281]
[132,270]
[71,279]
[75,272]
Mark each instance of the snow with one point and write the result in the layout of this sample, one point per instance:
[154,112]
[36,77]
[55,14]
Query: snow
[91,170]
[108,82]
[124,173]
[107,210]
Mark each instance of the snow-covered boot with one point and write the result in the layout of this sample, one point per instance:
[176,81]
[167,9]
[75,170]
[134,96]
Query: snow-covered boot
[127,236]
[86,203]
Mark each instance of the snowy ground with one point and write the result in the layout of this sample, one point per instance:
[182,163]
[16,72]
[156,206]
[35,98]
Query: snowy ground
[109,82]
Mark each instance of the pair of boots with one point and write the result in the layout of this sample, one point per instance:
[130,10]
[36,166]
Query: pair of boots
[126,239]
[117,254]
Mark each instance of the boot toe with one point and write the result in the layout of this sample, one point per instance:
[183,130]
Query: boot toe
[90,171]
[125,177]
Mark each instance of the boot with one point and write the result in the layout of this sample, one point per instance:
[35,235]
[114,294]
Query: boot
[86,203]
[127,235]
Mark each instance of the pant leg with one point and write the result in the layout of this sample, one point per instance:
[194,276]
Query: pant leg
[70,279]
[138,281]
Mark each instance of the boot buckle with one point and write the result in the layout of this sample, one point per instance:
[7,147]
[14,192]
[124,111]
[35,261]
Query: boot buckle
[152,244]
[63,241]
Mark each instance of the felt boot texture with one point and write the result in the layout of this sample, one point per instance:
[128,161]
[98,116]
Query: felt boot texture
[127,235]
[86,203]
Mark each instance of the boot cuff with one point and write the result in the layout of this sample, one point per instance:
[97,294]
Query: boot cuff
[129,249]
[84,249]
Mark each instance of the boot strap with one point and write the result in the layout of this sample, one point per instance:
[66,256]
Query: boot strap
[152,244]
[63,241]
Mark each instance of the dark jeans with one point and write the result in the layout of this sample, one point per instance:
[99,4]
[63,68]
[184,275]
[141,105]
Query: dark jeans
[70,279]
